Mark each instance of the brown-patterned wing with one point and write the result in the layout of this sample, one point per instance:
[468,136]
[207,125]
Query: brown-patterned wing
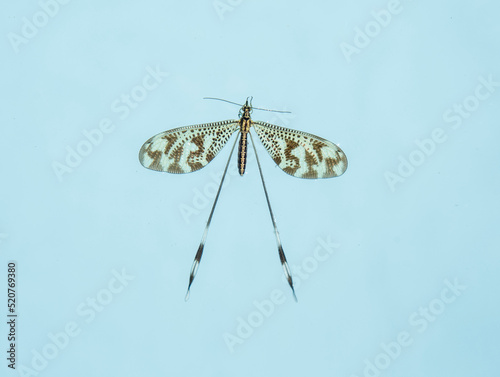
[186,149]
[301,154]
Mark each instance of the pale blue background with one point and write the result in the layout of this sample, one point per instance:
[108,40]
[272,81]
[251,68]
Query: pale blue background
[396,248]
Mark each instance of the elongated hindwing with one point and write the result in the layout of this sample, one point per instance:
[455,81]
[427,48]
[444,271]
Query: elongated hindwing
[301,154]
[186,149]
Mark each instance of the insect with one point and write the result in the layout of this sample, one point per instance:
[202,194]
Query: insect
[190,148]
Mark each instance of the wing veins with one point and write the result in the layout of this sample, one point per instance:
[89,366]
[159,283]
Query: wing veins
[301,154]
[186,149]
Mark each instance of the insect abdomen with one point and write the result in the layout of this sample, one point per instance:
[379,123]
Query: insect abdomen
[242,153]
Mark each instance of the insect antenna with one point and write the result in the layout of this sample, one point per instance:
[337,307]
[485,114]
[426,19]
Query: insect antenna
[224,100]
[284,263]
[255,108]
[199,253]
[274,111]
